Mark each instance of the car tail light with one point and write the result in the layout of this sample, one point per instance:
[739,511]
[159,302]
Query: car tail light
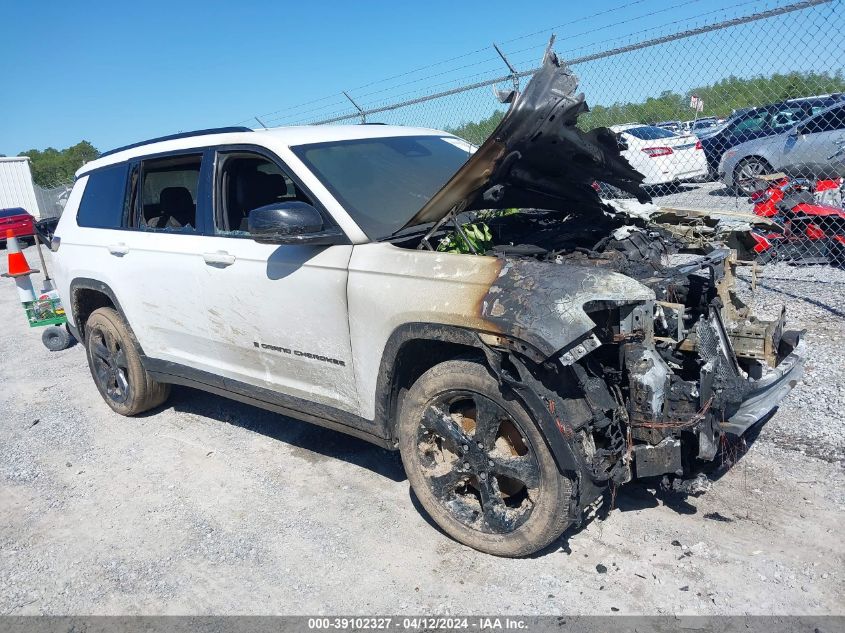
[654,152]
[698,145]
[839,238]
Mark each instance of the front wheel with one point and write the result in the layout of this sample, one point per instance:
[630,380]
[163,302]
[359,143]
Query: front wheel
[747,174]
[479,465]
[116,365]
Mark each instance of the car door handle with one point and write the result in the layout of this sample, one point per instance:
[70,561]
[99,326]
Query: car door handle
[118,249]
[219,258]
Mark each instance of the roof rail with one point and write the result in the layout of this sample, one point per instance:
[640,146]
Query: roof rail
[171,137]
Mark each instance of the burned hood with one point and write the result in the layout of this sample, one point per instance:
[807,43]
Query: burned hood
[537,158]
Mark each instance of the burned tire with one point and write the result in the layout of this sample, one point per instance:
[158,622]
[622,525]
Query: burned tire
[116,365]
[478,464]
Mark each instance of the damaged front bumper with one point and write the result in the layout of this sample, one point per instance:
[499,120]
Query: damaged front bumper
[767,392]
[697,367]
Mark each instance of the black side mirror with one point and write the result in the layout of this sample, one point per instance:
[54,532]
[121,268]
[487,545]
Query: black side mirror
[291,223]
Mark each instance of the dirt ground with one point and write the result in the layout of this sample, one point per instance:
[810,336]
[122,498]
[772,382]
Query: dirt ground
[208,506]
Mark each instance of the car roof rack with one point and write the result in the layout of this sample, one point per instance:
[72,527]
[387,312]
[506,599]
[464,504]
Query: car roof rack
[171,137]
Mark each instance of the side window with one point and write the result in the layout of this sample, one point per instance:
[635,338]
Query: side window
[750,125]
[786,118]
[102,203]
[827,122]
[168,194]
[246,181]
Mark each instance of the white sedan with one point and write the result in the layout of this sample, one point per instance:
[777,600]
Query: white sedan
[661,156]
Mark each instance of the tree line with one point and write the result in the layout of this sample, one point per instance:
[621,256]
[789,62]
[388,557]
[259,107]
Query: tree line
[721,99]
[52,166]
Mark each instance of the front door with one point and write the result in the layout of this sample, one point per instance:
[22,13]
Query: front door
[277,315]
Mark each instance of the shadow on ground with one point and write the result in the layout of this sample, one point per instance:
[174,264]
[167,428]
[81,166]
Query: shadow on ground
[319,443]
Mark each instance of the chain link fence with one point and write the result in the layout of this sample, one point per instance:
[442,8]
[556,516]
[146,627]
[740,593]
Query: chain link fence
[738,113]
[52,198]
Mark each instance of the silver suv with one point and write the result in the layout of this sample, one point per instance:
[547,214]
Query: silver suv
[812,146]
[520,343]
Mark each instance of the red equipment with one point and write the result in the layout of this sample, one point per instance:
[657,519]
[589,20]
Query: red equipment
[18,221]
[813,228]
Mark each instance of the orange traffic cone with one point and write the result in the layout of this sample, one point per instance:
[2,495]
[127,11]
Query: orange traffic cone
[19,269]
[18,266]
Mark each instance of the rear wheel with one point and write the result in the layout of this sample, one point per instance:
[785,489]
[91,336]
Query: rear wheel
[479,465]
[116,365]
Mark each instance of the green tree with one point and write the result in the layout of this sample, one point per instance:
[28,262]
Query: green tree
[51,166]
[720,99]
[476,132]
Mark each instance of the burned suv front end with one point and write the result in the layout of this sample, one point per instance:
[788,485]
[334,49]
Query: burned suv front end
[694,365]
[635,364]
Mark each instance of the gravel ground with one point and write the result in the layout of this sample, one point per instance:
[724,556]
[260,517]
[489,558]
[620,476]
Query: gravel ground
[211,506]
[710,196]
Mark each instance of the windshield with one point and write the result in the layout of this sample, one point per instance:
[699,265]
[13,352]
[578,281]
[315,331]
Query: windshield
[383,182]
[649,132]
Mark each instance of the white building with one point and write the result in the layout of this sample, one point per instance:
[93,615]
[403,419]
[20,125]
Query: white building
[16,186]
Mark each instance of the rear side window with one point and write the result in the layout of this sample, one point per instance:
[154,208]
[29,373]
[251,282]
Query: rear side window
[826,122]
[169,193]
[103,199]
[754,123]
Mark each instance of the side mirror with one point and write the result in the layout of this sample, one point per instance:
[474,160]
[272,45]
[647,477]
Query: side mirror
[291,223]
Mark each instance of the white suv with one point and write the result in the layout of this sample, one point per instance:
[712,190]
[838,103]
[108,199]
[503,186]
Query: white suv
[380,281]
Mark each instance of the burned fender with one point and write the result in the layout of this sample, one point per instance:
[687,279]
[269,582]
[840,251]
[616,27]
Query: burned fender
[543,303]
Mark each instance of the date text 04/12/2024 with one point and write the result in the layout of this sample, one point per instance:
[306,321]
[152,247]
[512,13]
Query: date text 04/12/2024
[427,623]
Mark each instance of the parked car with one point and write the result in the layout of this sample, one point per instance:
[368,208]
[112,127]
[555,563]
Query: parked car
[760,123]
[675,127]
[704,125]
[314,271]
[661,156]
[17,220]
[812,144]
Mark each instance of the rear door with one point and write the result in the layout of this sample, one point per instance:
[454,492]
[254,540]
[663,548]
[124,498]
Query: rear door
[817,140]
[160,257]
[277,314]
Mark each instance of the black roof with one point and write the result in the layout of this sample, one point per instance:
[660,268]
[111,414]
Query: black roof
[171,137]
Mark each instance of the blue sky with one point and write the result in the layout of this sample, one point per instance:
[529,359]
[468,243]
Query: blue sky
[117,72]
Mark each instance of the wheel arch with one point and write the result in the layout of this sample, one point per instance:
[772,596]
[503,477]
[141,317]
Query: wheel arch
[411,350]
[745,158]
[400,367]
[87,295]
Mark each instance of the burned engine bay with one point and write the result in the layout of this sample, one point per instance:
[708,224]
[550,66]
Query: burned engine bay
[637,364]
[655,383]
